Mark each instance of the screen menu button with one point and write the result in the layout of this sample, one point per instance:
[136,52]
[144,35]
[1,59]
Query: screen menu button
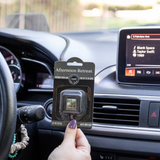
[129,72]
[157,72]
[148,72]
[139,72]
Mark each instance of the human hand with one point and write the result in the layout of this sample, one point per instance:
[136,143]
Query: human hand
[74,146]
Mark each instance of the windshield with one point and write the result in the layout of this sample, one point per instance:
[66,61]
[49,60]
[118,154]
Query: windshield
[77,15]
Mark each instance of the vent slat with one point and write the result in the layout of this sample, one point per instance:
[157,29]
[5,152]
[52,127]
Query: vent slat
[127,112]
[125,104]
[122,120]
[100,108]
[115,114]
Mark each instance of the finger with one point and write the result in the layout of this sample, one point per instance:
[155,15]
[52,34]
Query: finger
[70,133]
[81,141]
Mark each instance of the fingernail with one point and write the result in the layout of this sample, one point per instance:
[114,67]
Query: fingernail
[73,124]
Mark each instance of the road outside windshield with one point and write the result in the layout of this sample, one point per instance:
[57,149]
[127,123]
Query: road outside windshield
[77,15]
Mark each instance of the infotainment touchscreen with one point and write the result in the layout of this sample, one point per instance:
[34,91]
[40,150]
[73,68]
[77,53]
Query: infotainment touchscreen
[139,56]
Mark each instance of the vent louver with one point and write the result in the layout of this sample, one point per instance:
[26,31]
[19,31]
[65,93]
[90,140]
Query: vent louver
[116,111]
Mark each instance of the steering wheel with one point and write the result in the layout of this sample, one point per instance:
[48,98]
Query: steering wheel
[8,109]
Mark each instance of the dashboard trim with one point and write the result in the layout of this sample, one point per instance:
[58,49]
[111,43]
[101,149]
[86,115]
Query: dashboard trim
[138,97]
[48,69]
[127,128]
[125,132]
[111,131]
[65,49]
[39,62]
[40,90]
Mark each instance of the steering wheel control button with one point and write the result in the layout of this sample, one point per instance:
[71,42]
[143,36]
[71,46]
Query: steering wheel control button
[153,120]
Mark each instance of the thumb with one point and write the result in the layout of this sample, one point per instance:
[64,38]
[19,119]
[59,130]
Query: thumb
[70,133]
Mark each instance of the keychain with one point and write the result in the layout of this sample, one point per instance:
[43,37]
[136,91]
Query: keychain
[16,146]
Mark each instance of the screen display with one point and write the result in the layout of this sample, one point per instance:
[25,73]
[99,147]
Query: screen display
[44,80]
[139,56]
[71,104]
[142,55]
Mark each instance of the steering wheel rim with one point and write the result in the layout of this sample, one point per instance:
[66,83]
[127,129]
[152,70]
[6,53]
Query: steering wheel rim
[8,109]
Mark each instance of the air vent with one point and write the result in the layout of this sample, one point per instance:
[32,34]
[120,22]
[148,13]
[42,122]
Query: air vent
[116,111]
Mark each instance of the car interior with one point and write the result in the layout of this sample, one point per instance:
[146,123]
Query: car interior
[126,107]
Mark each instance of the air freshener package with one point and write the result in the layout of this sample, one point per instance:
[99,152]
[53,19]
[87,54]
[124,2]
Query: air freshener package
[73,93]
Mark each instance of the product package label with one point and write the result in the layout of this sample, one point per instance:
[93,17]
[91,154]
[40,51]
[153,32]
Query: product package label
[73,93]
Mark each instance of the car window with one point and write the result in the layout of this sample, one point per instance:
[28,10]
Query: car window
[77,15]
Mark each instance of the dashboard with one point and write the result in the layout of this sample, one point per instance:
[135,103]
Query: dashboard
[128,128]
